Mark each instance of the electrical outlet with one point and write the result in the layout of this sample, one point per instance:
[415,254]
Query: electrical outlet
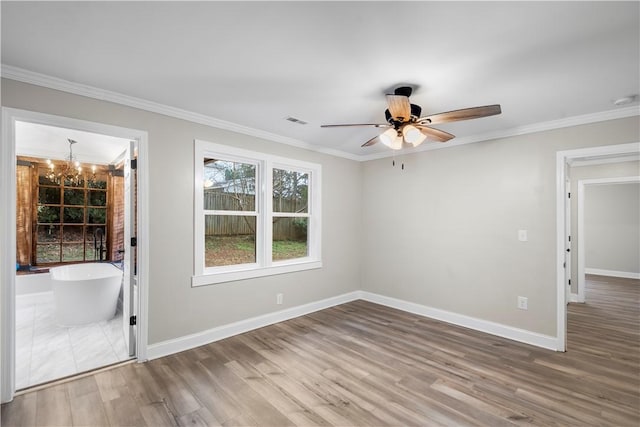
[279,298]
[522,235]
[523,303]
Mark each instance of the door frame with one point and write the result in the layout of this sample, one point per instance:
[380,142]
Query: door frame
[8,228]
[582,184]
[564,158]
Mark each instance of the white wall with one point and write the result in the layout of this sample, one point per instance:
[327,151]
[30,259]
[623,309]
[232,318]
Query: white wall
[612,227]
[444,232]
[175,308]
[577,173]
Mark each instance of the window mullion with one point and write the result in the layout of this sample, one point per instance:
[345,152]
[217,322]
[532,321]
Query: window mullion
[268,213]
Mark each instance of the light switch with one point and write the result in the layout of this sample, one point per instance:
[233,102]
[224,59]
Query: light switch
[522,235]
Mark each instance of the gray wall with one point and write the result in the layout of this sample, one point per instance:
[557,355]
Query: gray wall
[443,232]
[612,227]
[175,308]
[577,173]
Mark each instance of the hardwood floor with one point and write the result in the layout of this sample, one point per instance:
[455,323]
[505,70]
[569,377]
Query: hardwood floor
[363,364]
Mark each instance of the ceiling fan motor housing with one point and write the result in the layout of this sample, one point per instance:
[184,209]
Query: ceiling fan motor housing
[416,110]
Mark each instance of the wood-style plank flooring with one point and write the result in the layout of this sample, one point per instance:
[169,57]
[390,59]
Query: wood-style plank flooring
[361,364]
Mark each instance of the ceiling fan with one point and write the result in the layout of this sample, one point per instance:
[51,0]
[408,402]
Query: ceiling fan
[407,128]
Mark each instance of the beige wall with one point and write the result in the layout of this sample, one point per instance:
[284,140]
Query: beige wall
[175,308]
[577,173]
[612,227]
[443,231]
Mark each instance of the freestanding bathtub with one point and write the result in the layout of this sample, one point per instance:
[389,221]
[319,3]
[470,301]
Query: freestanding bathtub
[85,293]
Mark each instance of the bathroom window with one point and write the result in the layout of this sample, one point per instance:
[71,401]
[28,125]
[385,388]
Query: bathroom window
[70,219]
[256,214]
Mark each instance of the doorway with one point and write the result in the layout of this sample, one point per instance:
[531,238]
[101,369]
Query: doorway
[563,161]
[95,220]
[583,185]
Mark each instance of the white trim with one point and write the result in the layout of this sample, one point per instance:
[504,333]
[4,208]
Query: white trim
[252,271]
[498,329]
[263,265]
[7,257]
[38,79]
[618,113]
[573,297]
[197,339]
[563,158]
[8,220]
[582,270]
[612,273]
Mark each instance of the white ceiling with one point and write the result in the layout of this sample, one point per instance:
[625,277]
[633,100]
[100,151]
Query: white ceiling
[36,140]
[256,63]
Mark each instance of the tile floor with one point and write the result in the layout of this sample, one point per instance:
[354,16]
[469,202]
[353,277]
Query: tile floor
[45,351]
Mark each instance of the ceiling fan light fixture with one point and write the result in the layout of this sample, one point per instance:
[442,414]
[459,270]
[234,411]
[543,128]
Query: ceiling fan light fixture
[413,135]
[391,139]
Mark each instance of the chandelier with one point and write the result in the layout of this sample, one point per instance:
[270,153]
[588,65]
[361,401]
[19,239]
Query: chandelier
[69,172]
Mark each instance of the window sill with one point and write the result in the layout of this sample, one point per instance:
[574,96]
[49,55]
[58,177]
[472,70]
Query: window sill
[230,276]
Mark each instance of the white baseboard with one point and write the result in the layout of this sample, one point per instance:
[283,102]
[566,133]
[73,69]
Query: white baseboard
[516,334]
[187,342]
[612,273]
[573,298]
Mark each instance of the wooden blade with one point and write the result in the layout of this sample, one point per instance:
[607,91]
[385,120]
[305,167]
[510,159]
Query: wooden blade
[376,125]
[399,107]
[370,142]
[435,134]
[464,114]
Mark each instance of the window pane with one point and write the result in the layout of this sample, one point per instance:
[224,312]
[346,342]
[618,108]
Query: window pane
[73,197]
[48,214]
[99,182]
[48,253]
[73,183]
[72,252]
[49,195]
[290,191]
[42,179]
[73,215]
[289,238]
[229,240]
[93,240]
[97,198]
[229,185]
[72,233]
[97,216]
[48,233]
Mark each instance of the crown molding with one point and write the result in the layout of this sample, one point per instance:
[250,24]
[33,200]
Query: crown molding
[619,113]
[38,79]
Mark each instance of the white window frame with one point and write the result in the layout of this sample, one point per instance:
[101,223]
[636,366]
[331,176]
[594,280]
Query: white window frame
[264,266]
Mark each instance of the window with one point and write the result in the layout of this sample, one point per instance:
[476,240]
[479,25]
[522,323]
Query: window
[70,218]
[255,214]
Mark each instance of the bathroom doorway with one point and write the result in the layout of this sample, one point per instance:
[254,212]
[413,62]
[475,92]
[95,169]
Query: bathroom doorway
[75,295]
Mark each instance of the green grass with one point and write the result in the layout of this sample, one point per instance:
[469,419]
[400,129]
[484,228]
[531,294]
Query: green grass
[288,249]
[231,250]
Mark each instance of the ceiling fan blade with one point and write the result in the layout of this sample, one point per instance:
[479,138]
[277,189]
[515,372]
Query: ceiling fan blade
[372,141]
[463,114]
[435,134]
[376,125]
[399,107]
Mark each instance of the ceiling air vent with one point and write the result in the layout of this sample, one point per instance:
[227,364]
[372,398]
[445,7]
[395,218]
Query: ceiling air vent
[294,120]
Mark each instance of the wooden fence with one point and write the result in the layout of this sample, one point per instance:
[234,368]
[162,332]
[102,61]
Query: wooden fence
[234,225]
